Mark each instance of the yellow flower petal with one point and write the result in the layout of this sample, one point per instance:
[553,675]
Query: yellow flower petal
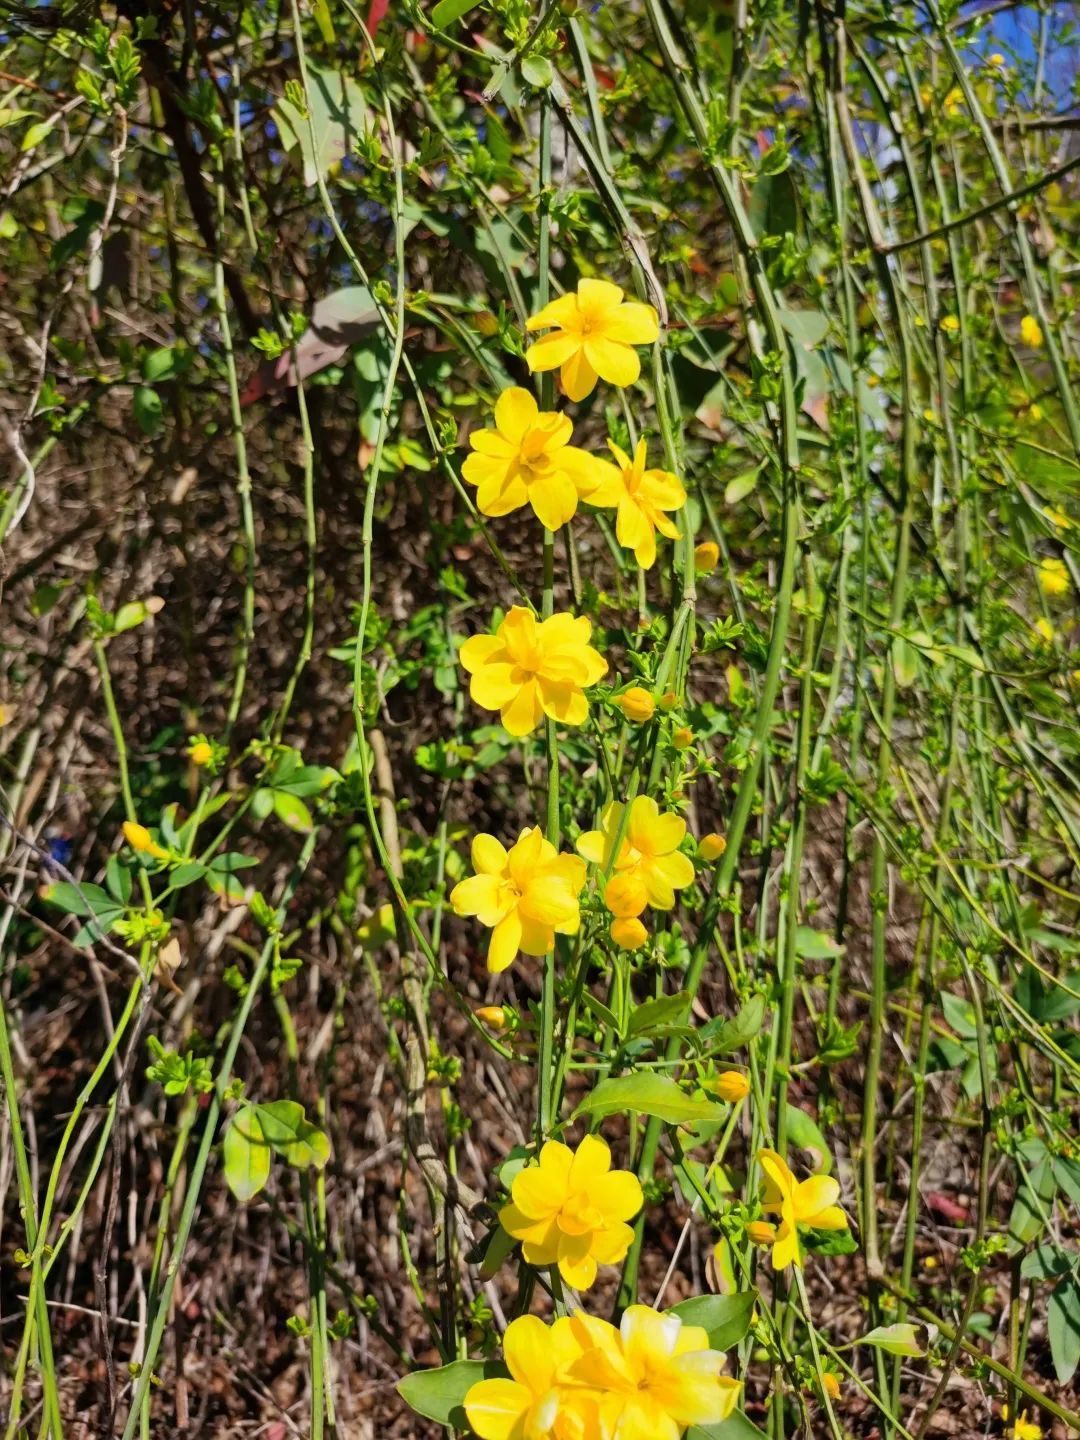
[577,374]
[515,412]
[494,1408]
[615,363]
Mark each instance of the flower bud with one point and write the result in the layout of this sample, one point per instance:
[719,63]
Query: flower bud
[682,738]
[711,847]
[830,1384]
[732,1086]
[629,934]
[1031,333]
[200,752]
[760,1232]
[668,700]
[706,557]
[625,896]
[493,1016]
[637,705]
[141,841]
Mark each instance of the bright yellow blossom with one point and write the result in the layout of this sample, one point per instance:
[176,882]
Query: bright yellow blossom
[798,1202]
[996,59]
[706,557]
[1053,576]
[732,1086]
[592,334]
[525,896]
[1031,333]
[527,459]
[493,1016]
[141,841]
[950,324]
[1024,1429]
[711,847]
[682,738]
[640,497]
[531,668]
[654,1376]
[649,851]
[625,894]
[534,1403]
[830,1383]
[637,704]
[1043,629]
[628,933]
[200,752]
[952,103]
[571,1210]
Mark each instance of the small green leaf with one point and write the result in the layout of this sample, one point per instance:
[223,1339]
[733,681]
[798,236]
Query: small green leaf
[735,1427]
[725,1317]
[536,71]
[292,811]
[146,407]
[440,1394]
[648,1094]
[321,11]
[720,1037]
[741,486]
[896,1339]
[667,1010]
[1048,1262]
[805,1133]
[447,11]
[246,1154]
[905,662]
[811,944]
[1063,1324]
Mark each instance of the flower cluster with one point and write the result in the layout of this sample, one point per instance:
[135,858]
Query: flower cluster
[526,458]
[583,1379]
[638,847]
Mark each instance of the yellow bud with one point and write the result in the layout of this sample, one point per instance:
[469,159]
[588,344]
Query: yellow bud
[494,1016]
[930,1262]
[706,556]
[200,752]
[711,847]
[950,324]
[668,700]
[996,60]
[1044,628]
[625,896]
[141,841]
[732,1086]
[760,1232]
[1031,333]
[1035,412]
[682,738]
[637,705]
[1053,576]
[830,1384]
[629,934]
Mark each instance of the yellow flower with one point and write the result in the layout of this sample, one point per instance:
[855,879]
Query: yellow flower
[625,895]
[1043,629]
[1024,1429]
[528,460]
[493,1016]
[649,852]
[706,557]
[640,498]
[593,332]
[534,1403]
[732,1086]
[141,841]
[950,324]
[830,1383]
[525,897]
[1053,576]
[798,1202]
[637,705]
[682,738]
[997,60]
[953,101]
[1031,333]
[711,847]
[761,1232]
[571,1210]
[531,668]
[1057,517]
[628,933]
[655,1376]
[200,752]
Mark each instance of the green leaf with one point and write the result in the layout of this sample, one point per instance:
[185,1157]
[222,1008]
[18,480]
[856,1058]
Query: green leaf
[246,1154]
[1031,1208]
[536,70]
[735,1427]
[439,1395]
[321,11]
[896,1339]
[1048,1262]
[1063,1324]
[806,327]
[667,1010]
[774,208]
[146,407]
[905,662]
[447,11]
[86,900]
[805,1133]
[742,485]
[292,811]
[36,133]
[648,1094]
[159,364]
[184,875]
[725,1317]
[337,117]
[811,944]
[292,1135]
[720,1037]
